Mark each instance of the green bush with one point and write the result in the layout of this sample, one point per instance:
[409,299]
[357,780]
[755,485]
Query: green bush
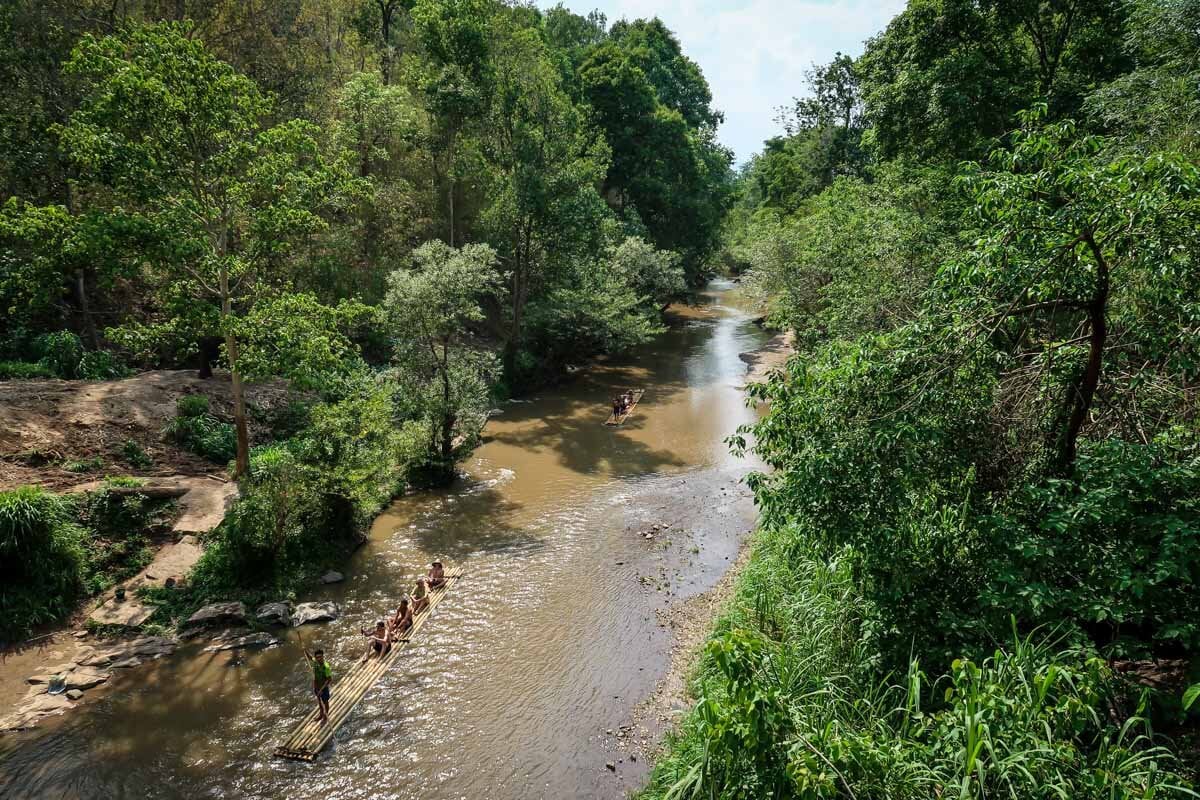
[60,352]
[1113,551]
[101,365]
[24,370]
[120,528]
[790,705]
[41,559]
[192,405]
[135,454]
[194,429]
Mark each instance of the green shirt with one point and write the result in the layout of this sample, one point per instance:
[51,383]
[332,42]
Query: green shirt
[321,672]
[419,591]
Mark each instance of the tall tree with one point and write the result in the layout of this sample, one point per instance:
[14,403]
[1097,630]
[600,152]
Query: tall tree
[173,137]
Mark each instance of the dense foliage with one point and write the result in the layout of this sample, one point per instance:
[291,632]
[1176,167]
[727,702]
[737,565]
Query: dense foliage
[403,210]
[985,234]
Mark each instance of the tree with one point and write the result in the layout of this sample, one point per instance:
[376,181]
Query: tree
[171,136]
[1085,272]
[655,275]
[542,167]
[456,80]
[942,80]
[667,172]
[430,309]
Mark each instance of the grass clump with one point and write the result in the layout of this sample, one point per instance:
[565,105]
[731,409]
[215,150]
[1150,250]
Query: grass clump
[198,431]
[41,559]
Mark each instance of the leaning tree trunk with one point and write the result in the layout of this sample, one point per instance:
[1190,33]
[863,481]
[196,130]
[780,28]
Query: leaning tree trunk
[1081,394]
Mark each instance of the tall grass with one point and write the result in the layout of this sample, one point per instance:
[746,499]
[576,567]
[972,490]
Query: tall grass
[41,557]
[790,703]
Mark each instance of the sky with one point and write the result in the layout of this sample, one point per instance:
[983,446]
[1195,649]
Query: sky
[754,53]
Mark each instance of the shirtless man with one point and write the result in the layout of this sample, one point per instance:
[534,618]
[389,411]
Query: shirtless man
[402,620]
[378,642]
[436,575]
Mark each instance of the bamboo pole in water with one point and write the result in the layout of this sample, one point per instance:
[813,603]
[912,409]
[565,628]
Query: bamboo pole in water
[310,737]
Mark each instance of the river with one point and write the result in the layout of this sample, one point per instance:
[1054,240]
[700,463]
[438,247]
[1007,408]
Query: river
[518,684]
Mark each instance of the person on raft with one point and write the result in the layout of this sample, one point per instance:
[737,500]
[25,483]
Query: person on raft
[378,642]
[402,620]
[322,680]
[436,575]
[420,596]
[618,405]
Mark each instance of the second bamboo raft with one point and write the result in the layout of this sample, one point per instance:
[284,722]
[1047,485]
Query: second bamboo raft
[615,419]
[310,737]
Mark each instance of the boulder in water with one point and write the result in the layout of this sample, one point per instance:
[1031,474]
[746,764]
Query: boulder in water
[333,576]
[250,640]
[234,612]
[274,613]
[85,678]
[315,612]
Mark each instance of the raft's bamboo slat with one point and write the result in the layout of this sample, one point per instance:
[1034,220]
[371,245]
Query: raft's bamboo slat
[310,737]
[614,420]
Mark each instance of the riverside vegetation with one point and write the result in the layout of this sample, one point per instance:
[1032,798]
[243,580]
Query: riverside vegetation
[976,574]
[978,570]
[404,211]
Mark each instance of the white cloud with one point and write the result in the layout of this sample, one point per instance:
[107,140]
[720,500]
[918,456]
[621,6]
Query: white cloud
[754,53]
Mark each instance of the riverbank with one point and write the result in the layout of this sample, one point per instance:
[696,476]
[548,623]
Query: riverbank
[691,621]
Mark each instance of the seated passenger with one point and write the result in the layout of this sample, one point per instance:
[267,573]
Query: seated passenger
[436,575]
[402,620]
[378,642]
[420,596]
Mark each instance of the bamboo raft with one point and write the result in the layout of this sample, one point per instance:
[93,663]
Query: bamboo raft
[310,737]
[614,419]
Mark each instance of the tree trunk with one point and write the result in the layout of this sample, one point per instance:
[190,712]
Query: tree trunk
[239,398]
[450,191]
[1082,393]
[85,309]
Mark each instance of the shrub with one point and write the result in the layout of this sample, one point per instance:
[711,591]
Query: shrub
[41,557]
[196,430]
[60,352]
[101,365]
[1113,551]
[135,454]
[790,705]
[120,526]
[24,370]
[192,405]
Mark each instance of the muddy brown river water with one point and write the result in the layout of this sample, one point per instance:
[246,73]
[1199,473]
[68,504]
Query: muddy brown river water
[548,644]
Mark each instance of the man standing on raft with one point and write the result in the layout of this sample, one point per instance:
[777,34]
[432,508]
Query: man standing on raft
[322,680]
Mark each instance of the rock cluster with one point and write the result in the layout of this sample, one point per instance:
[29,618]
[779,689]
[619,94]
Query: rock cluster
[58,688]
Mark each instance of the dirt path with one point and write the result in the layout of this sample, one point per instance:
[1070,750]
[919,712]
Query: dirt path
[56,433]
